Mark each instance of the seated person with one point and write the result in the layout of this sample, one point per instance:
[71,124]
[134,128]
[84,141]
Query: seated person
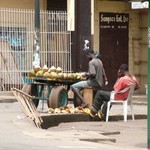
[124,80]
[95,77]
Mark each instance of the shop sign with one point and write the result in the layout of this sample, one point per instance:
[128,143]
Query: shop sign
[114,20]
[139,5]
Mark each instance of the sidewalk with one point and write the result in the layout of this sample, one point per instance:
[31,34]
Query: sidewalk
[115,134]
[21,134]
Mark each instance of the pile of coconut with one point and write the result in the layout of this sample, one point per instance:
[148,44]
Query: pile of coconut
[54,73]
[68,109]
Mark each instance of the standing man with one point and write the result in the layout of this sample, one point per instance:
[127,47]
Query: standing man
[95,77]
[124,80]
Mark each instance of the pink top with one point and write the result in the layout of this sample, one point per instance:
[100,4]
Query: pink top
[122,83]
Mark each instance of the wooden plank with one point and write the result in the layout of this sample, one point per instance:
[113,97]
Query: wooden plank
[88,95]
[28,107]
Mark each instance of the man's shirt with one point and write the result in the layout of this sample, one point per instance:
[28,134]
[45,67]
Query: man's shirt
[122,83]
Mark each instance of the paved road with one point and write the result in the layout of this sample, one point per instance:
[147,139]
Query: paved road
[17,133]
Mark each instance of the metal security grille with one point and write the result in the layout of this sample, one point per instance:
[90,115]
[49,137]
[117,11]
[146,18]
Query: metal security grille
[17,44]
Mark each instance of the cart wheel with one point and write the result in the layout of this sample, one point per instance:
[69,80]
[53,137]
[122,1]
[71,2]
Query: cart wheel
[58,97]
[77,101]
[31,89]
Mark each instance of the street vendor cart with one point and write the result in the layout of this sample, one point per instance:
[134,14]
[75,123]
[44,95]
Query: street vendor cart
[55,91]
[55,84]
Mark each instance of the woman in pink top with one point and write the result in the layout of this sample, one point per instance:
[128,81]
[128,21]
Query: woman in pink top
[124,80]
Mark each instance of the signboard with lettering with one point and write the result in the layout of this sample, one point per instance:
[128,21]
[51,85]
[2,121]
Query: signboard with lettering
[113,20]
[139,5]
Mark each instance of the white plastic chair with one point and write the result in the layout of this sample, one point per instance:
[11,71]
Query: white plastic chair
[124,102]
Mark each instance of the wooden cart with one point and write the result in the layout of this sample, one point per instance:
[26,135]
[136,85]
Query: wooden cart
[56,91]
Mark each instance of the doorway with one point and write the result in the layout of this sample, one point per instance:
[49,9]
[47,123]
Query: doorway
[113,43]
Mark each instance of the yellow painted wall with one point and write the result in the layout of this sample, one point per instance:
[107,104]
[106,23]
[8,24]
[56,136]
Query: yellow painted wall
[137,36]
[106,6]
[21,4]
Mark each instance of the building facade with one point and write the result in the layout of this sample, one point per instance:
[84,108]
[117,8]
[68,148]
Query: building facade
[119,33]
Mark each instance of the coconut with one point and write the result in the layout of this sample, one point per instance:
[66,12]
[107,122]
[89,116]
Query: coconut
[79,76]
[57,110]
[65,76]
[53,75]
[60,75]
[52,69]
[70,76]
[58,70]
[46,74]
[37,68]
[31,73]
[74,76]
[40,73]
[45,68]
[82,74]
[51,110]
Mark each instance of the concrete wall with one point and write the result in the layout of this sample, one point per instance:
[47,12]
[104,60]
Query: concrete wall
[137,36]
